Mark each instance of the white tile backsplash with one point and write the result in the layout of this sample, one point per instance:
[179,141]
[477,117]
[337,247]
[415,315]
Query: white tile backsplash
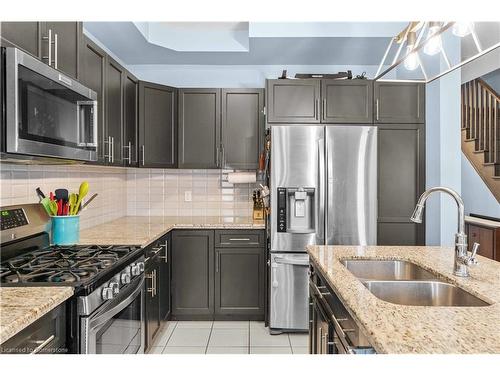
[133,191]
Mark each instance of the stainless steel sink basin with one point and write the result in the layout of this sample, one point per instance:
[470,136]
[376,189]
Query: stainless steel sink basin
[387,270]
[422,293]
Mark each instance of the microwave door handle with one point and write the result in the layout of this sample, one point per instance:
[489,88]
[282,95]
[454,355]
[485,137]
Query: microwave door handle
[280,260]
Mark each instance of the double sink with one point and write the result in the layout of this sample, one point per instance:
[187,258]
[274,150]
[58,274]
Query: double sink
[405,283]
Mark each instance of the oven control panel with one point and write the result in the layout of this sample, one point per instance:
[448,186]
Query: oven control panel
[12,218]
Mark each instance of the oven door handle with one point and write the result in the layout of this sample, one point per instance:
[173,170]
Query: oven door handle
[104,317]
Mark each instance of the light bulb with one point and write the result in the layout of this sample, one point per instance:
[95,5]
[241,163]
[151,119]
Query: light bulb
[433,44]
[411,60]
[462,29]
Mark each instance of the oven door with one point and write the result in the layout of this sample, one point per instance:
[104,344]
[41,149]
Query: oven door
[117,327]
[47,113]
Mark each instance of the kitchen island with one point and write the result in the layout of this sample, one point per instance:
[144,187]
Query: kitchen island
[143,230]
[403,329]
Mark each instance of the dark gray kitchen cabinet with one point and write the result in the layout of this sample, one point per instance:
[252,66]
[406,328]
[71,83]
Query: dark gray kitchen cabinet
[401,180]
[93,70]
[293,101]
[130,117]
[152,299]
[192,274]
[239,282]
[23,35]
[157,125]
[114,112]
[347,101]
[199,128]
[242,127]
[399,102]
[66,40]
[164,279]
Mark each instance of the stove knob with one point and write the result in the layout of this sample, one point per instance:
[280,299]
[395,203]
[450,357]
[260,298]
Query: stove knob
[107,293]
[115,287]
[141,266]
[135,270]
[125,278]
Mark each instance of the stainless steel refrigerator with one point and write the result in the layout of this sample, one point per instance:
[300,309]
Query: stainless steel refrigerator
[323,192]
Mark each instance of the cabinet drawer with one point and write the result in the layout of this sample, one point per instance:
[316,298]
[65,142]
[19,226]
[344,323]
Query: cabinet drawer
[46,335]
[239,238]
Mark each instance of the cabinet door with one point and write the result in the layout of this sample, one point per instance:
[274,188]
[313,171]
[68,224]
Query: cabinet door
[485,237]
[293,101]
[24,35]
[130,101]
[199,128]
[401,180]
[114,112]
[239,282]
[242,127]
[347,101]
[157,125]
[399,102]
[152,300]
[93,68]
[66,49]
[193,274]
[164,279]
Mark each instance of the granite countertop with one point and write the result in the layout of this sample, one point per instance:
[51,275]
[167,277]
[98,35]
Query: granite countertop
[19,307]
[142,230]
[395,329]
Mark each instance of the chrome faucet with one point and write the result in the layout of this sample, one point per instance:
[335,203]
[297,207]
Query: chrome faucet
[462,259]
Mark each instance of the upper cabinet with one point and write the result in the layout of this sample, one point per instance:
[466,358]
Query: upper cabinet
[24,35]
[293,101]
[130,117]
[157,125]
[199,128]
[346,101]
[55,43]
[242,127]
[114,112]
[399,102]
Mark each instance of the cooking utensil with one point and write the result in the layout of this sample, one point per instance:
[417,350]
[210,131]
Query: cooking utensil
[60,204]
[84,189]
[51,195]
[61,194]
[53,207]
[40,193]
[72,202]
[66,209]
[87,202]
[45,202]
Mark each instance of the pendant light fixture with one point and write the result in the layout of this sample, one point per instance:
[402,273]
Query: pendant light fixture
[433,44]
[411,60]
[462,29]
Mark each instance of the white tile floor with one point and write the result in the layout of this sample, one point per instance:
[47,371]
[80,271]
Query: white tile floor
[229,337]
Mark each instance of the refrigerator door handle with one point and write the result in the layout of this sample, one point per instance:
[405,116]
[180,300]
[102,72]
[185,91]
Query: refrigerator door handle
[320,230]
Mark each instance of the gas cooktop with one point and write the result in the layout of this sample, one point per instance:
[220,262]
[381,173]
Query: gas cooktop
[68,265]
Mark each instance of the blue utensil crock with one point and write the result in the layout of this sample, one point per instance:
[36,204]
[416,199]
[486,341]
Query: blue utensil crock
[65,230]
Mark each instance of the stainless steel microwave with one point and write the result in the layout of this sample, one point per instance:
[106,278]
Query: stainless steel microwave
[46,114]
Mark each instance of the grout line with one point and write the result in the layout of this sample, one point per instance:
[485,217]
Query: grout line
[290,342]
[209,337]
[170,336]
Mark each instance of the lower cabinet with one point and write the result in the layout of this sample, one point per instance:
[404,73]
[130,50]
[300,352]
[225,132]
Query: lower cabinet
[488,238]
[223,282]
[239,282]
[164,278]
[152,303]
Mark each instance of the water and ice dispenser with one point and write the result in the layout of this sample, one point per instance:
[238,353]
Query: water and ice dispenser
[296,210]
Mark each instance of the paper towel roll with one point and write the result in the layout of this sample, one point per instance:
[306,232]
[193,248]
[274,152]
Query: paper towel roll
[241,177]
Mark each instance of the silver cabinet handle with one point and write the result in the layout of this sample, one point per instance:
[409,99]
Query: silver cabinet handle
[223,158]
[239,239]
[143,154]
[129,153]
[108,155]
[324,109]
[49,40]
[377,109]
[154,282]
[112,149]
[317,109]
[165,257]
[43,344]
[217,262]
[55,51]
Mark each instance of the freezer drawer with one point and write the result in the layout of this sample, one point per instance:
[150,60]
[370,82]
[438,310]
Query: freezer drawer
[289,292]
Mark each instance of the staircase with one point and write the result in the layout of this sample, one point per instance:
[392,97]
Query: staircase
[481,131]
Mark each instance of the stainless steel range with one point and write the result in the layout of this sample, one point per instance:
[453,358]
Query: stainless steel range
[108,307]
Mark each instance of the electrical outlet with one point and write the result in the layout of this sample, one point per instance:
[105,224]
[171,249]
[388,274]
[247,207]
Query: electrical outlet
[187,196]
